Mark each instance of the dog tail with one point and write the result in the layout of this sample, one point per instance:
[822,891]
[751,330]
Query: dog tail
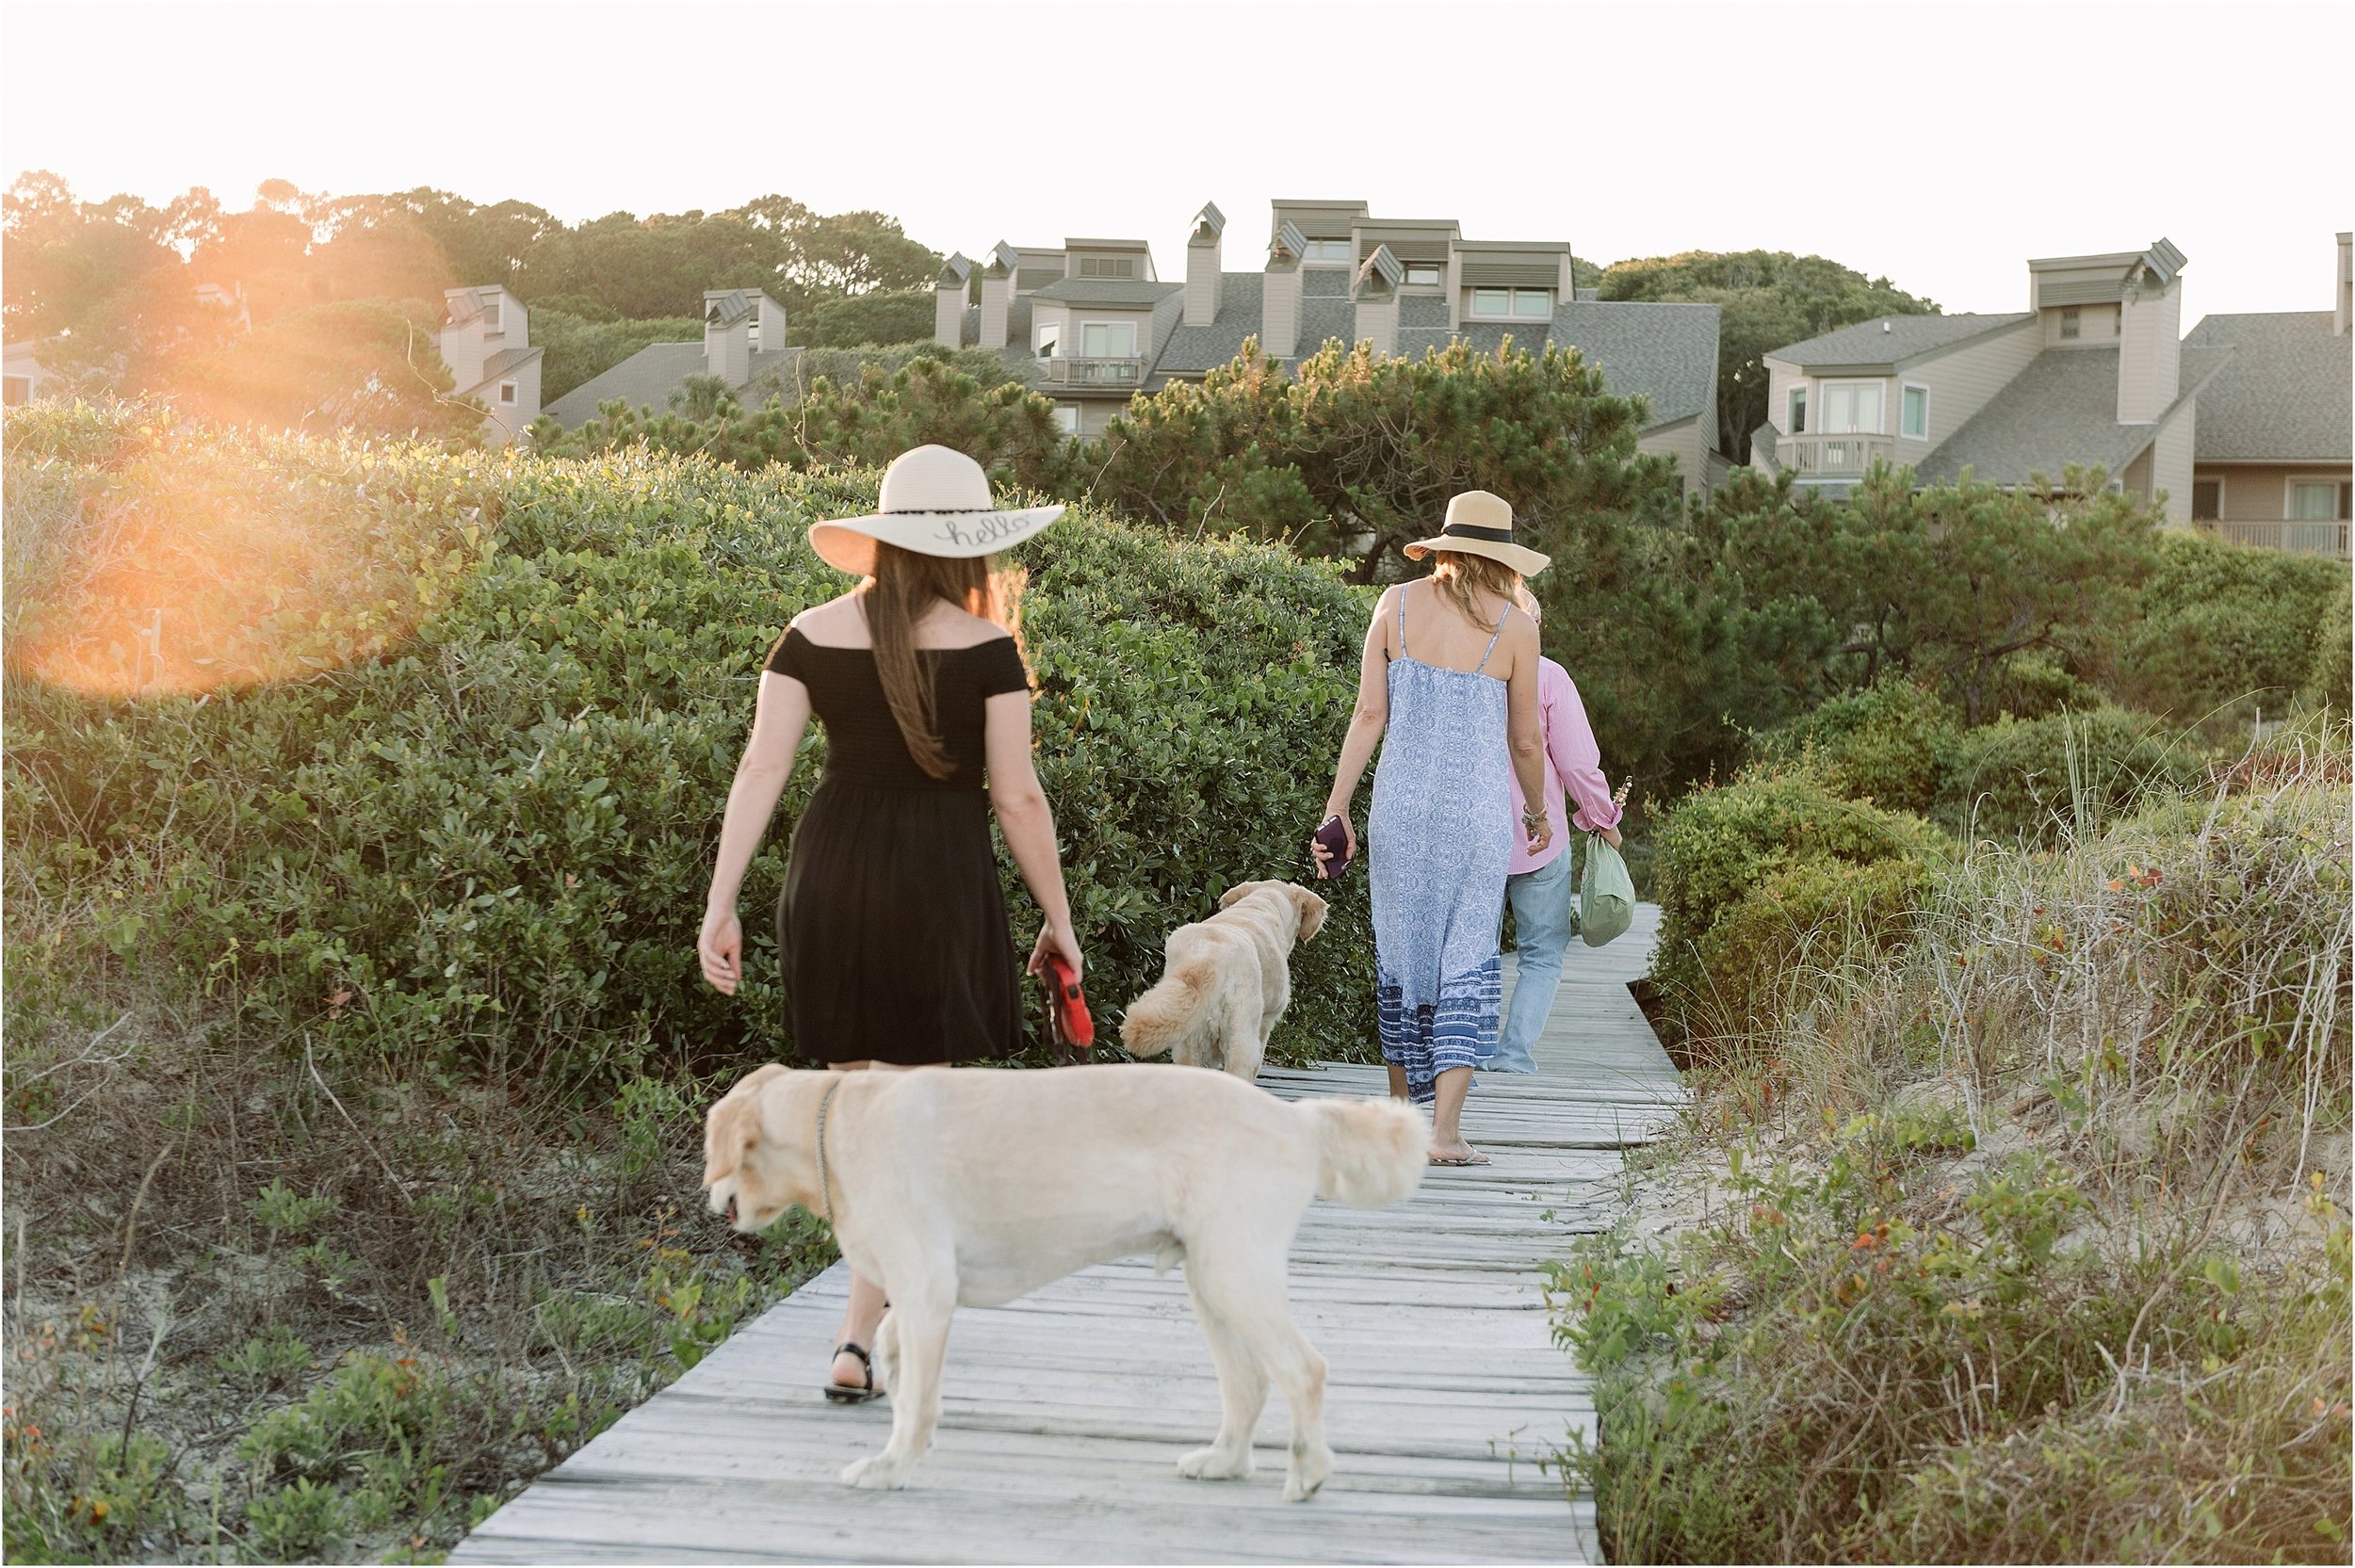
[1369,1153]
[1162,1017]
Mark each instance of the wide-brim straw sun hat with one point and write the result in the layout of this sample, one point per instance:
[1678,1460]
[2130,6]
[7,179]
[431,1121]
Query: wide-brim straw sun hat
[1478,524]
[935,502]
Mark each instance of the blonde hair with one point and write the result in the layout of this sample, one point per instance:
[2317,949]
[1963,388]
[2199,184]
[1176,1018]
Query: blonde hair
[1463,580]
[896,599]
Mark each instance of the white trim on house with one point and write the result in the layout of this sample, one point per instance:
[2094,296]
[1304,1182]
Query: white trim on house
[1067,418]
[1881,406]
[1124,324]
[1924,433]
[508,392]
[1045,336]
[2326,482]
[1794,410]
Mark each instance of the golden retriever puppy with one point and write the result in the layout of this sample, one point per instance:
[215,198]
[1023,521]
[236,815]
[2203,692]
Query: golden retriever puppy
[973,1186]
[1225,980]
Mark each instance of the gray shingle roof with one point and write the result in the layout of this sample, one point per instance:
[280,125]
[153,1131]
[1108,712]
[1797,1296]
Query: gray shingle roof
[2284,395]
[2061,410]
[1907,337]
[507,359]
[1668,354]
[1108,291]
[1665,354]
[647,378]
[1323,282]
[1198,348]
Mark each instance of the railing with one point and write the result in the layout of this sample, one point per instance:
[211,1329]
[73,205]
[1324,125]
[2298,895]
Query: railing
[1075,371]
[2296,539]
[1827,457]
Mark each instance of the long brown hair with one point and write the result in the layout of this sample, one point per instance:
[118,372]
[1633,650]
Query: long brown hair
[896,599]
[1463,580]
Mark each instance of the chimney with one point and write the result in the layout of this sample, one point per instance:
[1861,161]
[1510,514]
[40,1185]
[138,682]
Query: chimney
[463,329]
[948,292]
[1202,265]
[769,336]
[728,316]
[997,293]
[2342,310]
[2150,335]
[1279,294]
[1375,291]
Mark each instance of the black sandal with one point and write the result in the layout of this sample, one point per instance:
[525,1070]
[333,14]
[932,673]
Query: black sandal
[843,1394]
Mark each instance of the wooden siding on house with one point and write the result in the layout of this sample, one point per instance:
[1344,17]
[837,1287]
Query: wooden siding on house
[2170,460]
[1960,384]
[2096,327]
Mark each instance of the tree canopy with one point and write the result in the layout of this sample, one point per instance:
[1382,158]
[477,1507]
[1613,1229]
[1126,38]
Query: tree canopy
[1767,298]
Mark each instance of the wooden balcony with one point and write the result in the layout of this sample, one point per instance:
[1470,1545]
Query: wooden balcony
[2294,537]
[1077,370]
[1815,456]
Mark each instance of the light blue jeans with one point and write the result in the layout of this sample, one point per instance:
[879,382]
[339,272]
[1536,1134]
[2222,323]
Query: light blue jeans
[1541,923]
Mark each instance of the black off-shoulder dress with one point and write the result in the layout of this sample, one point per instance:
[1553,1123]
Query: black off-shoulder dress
[892,929]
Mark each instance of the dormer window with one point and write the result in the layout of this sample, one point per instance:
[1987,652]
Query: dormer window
[1328,251]
[1107,267]
[2070,322]
[1526,303]
[1423,273]
[491,313]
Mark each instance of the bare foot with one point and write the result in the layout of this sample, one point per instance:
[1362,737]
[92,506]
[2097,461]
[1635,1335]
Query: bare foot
[1459,1153]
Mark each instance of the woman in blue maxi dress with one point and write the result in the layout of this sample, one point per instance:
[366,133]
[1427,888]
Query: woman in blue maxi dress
[1448,685]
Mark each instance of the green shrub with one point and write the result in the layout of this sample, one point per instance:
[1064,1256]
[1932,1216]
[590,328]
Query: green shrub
[583,340]
[2331,678]
[490,843]
[1818,914]
[2222,621]
[1722,843]
[2036,779]
[879,315]
[1888,744]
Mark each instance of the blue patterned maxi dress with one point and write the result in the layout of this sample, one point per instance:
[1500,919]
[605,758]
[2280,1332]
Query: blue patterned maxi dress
[1438,840]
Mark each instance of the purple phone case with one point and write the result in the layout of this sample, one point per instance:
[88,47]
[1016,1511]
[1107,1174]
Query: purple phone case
[1334,837]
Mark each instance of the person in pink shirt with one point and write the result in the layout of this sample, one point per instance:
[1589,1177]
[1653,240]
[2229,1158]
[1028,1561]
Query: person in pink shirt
[1538,882]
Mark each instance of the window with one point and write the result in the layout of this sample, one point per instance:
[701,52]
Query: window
[1109,340]
[1913,412]
[1798,412]
[1852,407]
[2207,500]
[2346,501]
[1107,267]
[1524,302]
[2313,502]
[1423,273]
[17,391]
[2069,321]
[1329,251]
[506,391]
[1067,418]
[1049,334]
[2118,322]
[491,313]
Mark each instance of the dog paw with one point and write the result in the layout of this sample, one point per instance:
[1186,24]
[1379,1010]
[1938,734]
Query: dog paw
[1305,1474]
[1214,1463]
[875,1472]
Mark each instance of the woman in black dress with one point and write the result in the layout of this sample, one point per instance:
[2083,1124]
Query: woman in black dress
[892,931]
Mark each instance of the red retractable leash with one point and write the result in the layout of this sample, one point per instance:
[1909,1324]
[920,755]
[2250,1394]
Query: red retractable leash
[1068,1025]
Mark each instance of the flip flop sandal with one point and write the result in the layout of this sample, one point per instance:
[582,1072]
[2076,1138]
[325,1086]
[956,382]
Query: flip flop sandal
[844,1394]
[1475,1157]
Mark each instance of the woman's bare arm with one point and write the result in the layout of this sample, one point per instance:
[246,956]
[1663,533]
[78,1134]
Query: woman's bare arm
[1368,719]
[1525,724]
[780,719]
[1027,822]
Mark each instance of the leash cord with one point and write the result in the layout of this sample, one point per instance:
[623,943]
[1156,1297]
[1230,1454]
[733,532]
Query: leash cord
[825,1197]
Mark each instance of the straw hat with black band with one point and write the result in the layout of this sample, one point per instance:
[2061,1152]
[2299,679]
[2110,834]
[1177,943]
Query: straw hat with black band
[1478,524]
[935,502]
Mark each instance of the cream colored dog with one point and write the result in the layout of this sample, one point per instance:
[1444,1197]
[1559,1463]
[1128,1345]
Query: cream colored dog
[973,1186]
[1225,980]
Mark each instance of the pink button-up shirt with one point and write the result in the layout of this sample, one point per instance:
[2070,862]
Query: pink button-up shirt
[1572,760]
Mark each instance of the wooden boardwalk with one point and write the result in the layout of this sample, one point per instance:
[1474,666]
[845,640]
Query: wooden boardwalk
[1063,1414]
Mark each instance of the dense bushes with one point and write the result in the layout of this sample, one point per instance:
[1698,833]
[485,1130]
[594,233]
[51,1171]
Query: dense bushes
[1891,744]
[2220,623]
[487,843]
[1930,1284]
[2012,779]
[1728,870]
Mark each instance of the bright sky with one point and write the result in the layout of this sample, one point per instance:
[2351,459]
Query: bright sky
[1939,144]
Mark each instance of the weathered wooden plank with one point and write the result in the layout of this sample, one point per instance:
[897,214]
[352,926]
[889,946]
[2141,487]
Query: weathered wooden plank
[1063,1412]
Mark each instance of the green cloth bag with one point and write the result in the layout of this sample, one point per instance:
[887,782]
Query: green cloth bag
[1606,894]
